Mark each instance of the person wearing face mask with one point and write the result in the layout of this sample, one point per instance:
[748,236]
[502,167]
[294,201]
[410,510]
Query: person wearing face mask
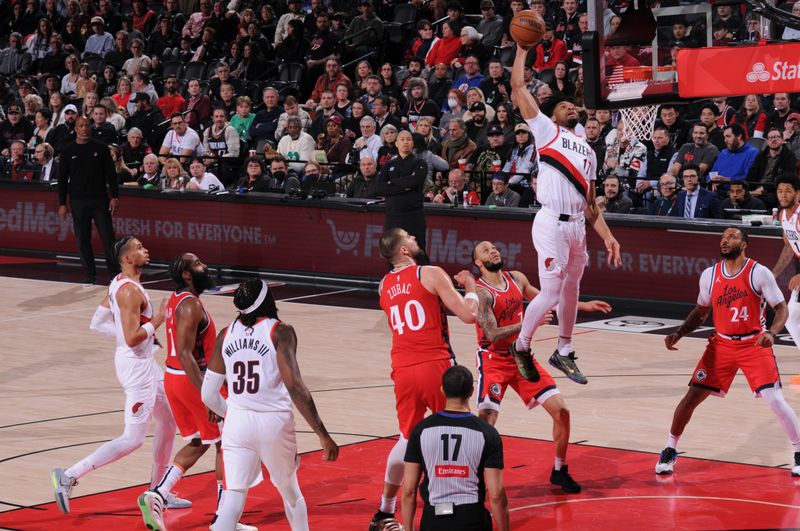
[456,101]
[418,104]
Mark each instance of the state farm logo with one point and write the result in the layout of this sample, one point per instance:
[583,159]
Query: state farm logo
[779,71]
[759,73]
[345,240]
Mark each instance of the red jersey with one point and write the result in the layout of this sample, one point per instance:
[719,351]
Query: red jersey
[203,343]
[507,309]
[737,306]
[417,318]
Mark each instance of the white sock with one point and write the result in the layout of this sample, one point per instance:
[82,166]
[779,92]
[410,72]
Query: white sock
[395,463]
[173,475]
[230,510]
[564,346]
[560,461]
[537,309]
[388,505]
[131,439]
[786,415]
[163,438]
[672,441]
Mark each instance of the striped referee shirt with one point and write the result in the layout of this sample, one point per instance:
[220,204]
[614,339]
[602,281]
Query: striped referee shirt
[454,449]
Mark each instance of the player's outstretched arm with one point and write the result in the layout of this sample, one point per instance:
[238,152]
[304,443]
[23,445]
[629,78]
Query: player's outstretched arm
[129,301]
[214,379]
[692,322]
[520,94]
[595,217]
[286,344]
[497,498]
[188,317]
[413,471]
[465,308]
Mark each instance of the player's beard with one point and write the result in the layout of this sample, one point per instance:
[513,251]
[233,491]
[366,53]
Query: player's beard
[202,281]
[732,254]
[572,123]
[493,267]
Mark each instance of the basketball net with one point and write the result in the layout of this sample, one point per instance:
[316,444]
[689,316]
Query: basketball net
[638,121]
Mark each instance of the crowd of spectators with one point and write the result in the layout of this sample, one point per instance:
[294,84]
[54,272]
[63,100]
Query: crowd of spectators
[296,95]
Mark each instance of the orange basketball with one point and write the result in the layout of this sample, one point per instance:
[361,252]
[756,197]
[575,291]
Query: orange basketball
[527,28]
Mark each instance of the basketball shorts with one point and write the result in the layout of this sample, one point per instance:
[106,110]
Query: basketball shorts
[560,245]
[496,373]
[143,382]
[418,388]
[254,437]
[723,357]
[188,409]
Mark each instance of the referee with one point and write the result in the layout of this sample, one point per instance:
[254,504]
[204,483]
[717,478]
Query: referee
[462,457]
[85,168]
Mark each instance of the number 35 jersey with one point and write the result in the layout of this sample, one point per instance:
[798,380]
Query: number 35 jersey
[737,299]
[251,368]
[417,318]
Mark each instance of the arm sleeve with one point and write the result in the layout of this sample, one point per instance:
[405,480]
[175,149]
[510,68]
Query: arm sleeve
[764,283]
[704,295]
[212,382]
[103,322]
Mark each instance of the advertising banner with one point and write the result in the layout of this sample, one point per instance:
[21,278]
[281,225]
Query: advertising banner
[740,70]
[315,238]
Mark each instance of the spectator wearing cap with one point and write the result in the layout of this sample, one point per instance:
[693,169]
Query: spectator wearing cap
[733,162]
[294,13]
[16,127]
[791,134]
[490,26]
[471,45]
[477,125]
[458,146]
[99,43]
[63,133]
[708,117]
[768,165]
[550,50]
[357,39]
[490,157]
[418,104]
[502,195]
[522,161]
[472,77]
[14,59]
[445,49]
[146,117]
[334,142]
[739,198]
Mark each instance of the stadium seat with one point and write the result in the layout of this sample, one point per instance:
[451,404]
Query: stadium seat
[171,68]
[507,55]
[547,75]
[96,63]
[194,70]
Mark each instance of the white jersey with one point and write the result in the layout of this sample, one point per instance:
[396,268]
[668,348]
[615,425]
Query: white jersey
[251,368]
[144,349]
[567,167]
[791,229]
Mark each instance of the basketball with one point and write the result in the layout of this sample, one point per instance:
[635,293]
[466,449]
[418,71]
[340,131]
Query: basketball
[527,28]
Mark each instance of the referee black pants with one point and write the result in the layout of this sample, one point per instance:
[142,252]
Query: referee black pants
[84,211]
[470,517]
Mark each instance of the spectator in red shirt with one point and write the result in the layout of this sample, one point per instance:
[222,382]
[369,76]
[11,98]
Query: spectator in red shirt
[327,82]
[550,50]
[445,49]
[171,102]
[618,55]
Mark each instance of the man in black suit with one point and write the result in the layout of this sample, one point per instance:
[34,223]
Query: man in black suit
[693,201]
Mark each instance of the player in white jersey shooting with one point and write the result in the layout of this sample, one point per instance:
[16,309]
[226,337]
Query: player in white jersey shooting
[566,192]
[127,315]
[256,353]
[789,199]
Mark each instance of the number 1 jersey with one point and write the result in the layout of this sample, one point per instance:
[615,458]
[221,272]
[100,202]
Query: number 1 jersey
[251,368]
[417,318]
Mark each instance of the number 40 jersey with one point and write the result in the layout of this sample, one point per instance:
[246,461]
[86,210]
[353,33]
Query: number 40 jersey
[417,317]
[251,368]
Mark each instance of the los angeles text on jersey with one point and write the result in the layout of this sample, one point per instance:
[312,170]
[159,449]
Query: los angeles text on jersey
[247,343]
[729,295]
[572,145]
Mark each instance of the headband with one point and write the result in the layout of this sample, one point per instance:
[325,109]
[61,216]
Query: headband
[259,300]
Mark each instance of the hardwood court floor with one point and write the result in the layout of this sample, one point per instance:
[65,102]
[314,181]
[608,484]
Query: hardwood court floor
[61,400]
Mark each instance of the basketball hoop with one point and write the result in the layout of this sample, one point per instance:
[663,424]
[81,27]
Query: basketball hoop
[638,122]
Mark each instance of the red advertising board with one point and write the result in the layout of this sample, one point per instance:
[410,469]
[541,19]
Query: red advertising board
[725,71]
[659,263]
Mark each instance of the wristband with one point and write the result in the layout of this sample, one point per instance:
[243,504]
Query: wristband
[150,329]
[471,297]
